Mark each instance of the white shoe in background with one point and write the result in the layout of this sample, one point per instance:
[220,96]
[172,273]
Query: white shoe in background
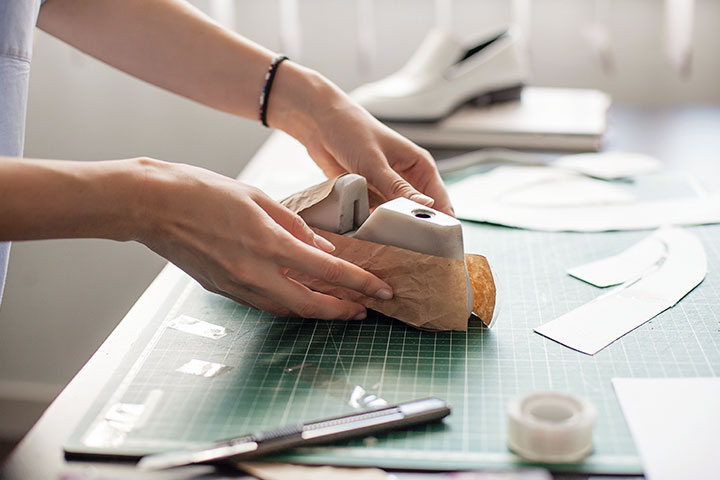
[444,74]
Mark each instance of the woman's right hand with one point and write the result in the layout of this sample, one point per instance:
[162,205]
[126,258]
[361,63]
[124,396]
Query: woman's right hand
[238,242]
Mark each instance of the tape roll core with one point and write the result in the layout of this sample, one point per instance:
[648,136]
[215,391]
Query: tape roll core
[551,427]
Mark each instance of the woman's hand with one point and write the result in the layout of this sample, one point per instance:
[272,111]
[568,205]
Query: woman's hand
[236,241]
[342,137]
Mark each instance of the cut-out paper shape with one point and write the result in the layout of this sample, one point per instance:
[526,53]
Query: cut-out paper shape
[674,423]
[597,324]
[604,165]
[482,198]
[627,265]
[610,165]
[571,190]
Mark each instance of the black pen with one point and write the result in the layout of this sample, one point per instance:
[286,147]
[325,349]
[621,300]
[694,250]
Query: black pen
[355,425]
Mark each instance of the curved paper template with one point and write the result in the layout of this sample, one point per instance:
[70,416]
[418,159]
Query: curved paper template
[626,265]
[483,198]
[597,324]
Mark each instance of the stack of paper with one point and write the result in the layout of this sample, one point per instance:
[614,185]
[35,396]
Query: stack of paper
[544,119]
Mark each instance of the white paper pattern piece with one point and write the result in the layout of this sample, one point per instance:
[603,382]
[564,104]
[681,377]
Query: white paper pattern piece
[627,265]
[674,423]
[605,165]
[572,191]
[188,324]
[610,165]
[597,324]
[202,368]
[483,198]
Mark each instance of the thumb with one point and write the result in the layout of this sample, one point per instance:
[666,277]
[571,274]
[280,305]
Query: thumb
[391,185]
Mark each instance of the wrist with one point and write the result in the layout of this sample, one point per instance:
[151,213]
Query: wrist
[299,100]
[154,197]
[123,198]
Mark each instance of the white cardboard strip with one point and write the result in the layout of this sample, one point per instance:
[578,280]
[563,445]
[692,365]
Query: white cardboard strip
[627,265]
[188,324]
[597,324]
[674,423]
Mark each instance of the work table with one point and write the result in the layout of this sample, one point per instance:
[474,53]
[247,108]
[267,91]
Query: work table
[683,138]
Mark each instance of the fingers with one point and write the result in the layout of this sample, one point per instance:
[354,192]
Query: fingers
[318,264]
[284,297]
[420,170]
[259,302]
[334,271]
[392,185]
[435,187]
[295,225]
[309,304]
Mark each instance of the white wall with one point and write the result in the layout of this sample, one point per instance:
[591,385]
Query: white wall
[64,297]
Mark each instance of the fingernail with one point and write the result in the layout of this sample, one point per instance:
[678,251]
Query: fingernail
[384,294]
[360,316]
[422,199]
[323,244]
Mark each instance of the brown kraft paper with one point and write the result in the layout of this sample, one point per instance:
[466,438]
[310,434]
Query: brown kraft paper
[429,292]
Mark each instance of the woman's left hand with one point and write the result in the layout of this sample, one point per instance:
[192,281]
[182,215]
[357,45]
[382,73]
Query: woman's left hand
[343,137]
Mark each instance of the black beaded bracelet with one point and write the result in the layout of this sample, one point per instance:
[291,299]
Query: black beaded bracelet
[265,94]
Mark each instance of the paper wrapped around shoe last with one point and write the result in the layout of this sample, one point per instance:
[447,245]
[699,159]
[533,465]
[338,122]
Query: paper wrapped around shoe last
[429,291]
[297,202]
[483,287]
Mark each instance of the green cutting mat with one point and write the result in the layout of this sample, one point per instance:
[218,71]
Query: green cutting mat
[477,372]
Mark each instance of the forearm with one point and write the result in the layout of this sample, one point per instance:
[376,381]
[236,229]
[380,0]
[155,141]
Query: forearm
[171,44]
[41,199]
[175,46]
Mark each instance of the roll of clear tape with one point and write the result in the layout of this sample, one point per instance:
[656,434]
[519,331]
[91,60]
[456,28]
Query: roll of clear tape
[551,427]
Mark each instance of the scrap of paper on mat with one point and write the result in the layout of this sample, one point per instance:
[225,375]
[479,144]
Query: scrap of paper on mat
[595,325]
[553,199]
[674,423]
[188,324]
[202,368]
[429,292]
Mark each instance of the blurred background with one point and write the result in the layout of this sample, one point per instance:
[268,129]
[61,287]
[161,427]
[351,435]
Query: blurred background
[64,297]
